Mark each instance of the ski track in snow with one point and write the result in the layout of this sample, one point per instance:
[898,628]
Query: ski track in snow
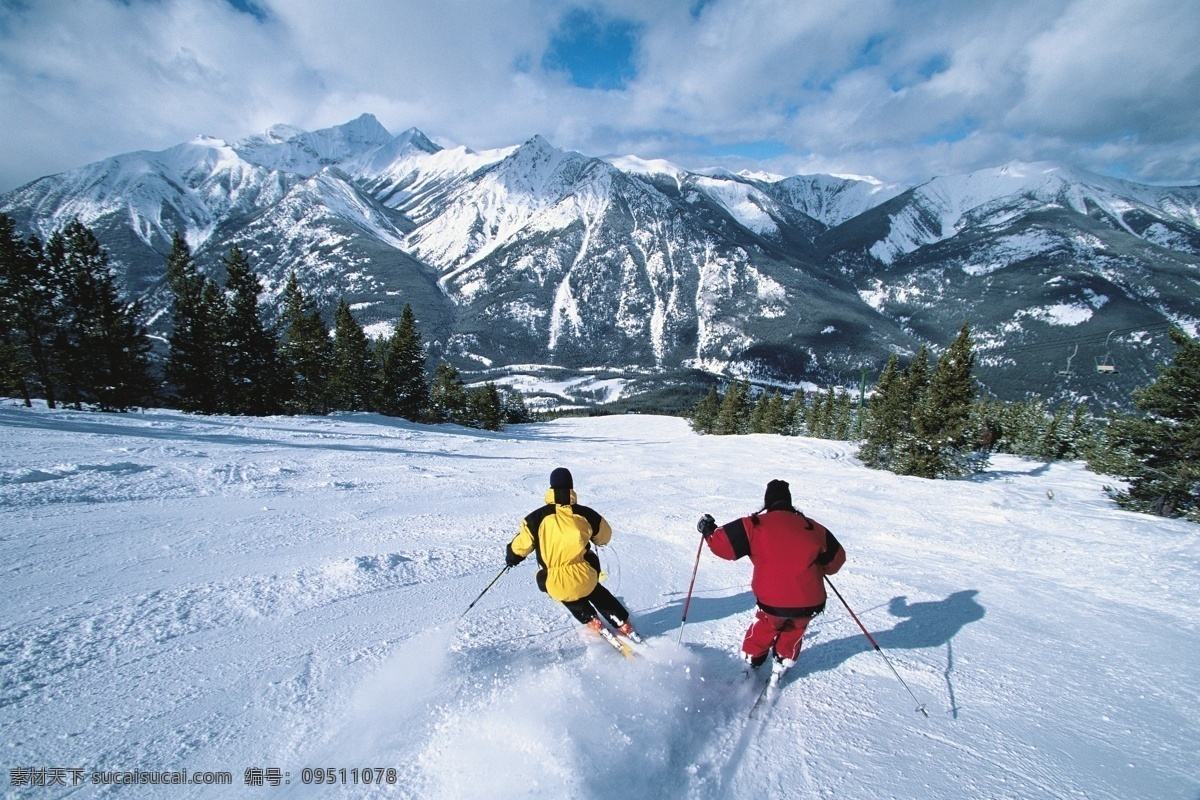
[223,593]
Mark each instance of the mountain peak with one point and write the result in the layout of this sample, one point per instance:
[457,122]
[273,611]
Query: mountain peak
[760,175]
[290,149]
[204,140]
[417,139]
[281,132]
[1019,168]
[643,166]
[365,127]
[538,144]
[538,156]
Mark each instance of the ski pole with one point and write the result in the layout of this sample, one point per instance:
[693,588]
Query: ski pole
[871,639]
[688,602]
[485,590]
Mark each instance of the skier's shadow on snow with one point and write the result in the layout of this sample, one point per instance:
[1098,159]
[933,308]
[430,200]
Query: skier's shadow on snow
[701,609]
[923,625]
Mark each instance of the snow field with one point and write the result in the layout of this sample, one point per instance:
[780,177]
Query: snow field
[221,593]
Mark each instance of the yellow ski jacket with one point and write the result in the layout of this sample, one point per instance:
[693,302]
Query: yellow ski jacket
[562,536]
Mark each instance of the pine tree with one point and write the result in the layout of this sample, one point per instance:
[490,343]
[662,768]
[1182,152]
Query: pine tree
[759,415]
[910,453]
[28,317]
[814,424]
[403,387]
[252,367]
[734,416]
[306,352]
[102,348]
[988,418]
[795,413]
[447,396]
[1029,429]
[844,418]
[704,415]
[755,420]
[1080,432]
[942,415]
[484,408]
[196,357]
[1022,424]
[1165,440]
[821,421]
[1109,451]
[923,423]
[515,411]
[1036,426]
[886,418]
[1054,434]
[774,415]
[15,367]
[352,382]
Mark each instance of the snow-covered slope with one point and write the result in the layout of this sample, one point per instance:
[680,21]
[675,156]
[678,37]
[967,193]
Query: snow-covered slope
[946,206]
[287,149]
[551,255]
[143,198]
[487,210]
[225,594]
[833,199]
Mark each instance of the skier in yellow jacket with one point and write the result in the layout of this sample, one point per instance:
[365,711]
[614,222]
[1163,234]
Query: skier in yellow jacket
[561,534]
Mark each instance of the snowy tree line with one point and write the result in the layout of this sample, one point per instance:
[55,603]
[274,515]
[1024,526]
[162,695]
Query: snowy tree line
[929,421]
[67,335]
[827,415]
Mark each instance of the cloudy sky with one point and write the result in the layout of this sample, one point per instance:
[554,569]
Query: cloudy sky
[899,89]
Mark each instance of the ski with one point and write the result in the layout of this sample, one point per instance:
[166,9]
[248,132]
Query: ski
[626,642]
[632,638]
[767,697]
[611,638]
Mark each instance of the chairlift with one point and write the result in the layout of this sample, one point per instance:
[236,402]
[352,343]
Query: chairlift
[1067,372]
[1105,365]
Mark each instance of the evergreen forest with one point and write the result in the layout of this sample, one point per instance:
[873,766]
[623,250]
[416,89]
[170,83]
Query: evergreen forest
[69,337]
[927,419]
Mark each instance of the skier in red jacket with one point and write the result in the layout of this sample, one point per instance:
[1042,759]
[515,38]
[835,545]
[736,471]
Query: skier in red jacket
[791,555]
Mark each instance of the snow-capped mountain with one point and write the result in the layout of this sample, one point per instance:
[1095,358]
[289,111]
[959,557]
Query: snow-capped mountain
[535,255]
[553,253]
[1063,273]
[944,207]
[833,199]
[287,149]
[136,202]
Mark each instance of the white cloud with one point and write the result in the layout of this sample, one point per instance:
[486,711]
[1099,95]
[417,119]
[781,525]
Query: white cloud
[903,89]
[1112,66]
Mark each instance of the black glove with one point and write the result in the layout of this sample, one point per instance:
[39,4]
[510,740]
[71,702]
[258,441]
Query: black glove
[706,525]
[511,558]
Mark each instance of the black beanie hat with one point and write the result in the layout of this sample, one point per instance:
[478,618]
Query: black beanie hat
[561,479]
[562,484]
[778,495]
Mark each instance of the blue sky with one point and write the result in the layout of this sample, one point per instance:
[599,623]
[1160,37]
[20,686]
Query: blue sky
[899,89]
[593,50]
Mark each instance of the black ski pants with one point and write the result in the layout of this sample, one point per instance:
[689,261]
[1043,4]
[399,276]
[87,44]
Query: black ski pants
[584,609]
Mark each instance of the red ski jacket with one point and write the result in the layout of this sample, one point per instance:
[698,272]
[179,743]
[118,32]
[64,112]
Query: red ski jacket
[791,554]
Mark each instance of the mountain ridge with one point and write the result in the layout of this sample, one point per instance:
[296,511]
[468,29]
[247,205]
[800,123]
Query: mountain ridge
[534,254]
